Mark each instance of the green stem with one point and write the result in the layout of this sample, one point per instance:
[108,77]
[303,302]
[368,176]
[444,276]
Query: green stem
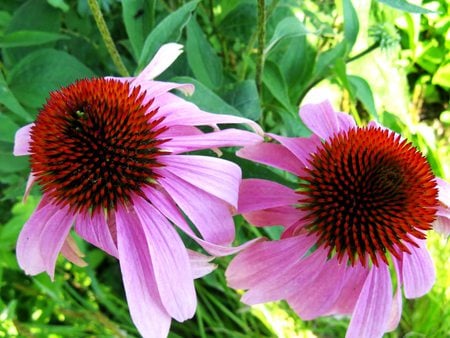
[261,42]
[107,39]
[364,52]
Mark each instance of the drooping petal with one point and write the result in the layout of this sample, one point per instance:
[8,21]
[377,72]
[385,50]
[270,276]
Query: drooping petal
[258,194]
[22,140]
[301,147]
[442,225]
[94,229]
[418,271]
[322,120]
[396,310]
[200,264]
[72,252]
[146,309]
[30,181]
[42,238]
[210,215]
[215,176]
[371,314]
[443,191]
[170,262]
[285,216]
[163,58]
[274,155]
[165,204]
[224,138]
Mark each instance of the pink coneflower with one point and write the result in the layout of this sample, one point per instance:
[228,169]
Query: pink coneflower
[106,153]
[364,201]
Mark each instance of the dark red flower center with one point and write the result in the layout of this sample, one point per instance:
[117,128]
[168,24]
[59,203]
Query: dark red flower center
[94,143]
[368,193]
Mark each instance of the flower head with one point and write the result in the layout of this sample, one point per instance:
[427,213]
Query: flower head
[365,199]
[108,156]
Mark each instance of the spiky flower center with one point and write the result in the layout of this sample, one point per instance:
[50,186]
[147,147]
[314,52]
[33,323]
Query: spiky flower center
[94,143]
[368,193]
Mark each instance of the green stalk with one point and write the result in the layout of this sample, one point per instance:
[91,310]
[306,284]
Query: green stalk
[107,39]
[261,43]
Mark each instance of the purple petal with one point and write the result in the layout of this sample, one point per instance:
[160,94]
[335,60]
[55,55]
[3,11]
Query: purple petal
[200,264]
[274,155]
[442,225]
[95,230]
[396,310]
[146,309]
[42,238]
[223,138]
[210,215]
[371,314]
[71,251]
[301,147]
[22,140]
[417,271]
[30,181]
[258,194]
[170,262]
[323,121]
[285,216]
[163,58]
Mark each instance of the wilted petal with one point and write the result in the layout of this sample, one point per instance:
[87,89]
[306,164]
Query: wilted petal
[417,271]
[371,314]
[143,299]
[170,262]
[200,264]
[22,140]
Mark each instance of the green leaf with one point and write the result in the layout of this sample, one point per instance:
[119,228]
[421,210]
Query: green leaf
[8,99]
[245,98]
[364,94]
[35,76]
[7,128]
[10,163]
[442,76]
[27,38]
[168,30]
[351,23]
[202,59]
[274,80]
[61,4]
[326,60]
[288,27]
[405,6]
[206,99]
[138,17]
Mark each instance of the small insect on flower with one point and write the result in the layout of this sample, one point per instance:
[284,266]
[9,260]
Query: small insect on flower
[108,156]
[364,201]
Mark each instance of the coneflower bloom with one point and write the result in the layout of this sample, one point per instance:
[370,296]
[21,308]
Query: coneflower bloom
[354,229]
[107,154]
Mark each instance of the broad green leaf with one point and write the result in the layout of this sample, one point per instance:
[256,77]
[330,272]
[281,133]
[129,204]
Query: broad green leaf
[138,17]
[351,23]
[288,27]
[7,128]
[206,99]
[35,76]
[245,98]
[12,164]
[202,59]
[8,99]
[326,60]
[168,30]
[276,84]
[61,4]
[405,6]
[364,94]
[27,38]
[442,76]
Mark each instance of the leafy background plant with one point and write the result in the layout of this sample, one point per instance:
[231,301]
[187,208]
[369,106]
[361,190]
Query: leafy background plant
[383,60]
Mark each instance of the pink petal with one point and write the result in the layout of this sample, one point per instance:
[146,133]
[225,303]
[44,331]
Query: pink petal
[163,58]
[71,251]
[42,238]
[157,91]
[170,262]
[371,314]
[146,309]
[94,229]
[285,215]
[274,155]
[301,147]
[443,191]
[323,121]
[209,214]
[396,310]
[215,176]
[224,138]
[417,271]
[30,181]
[317,298]
[258,194]
[22,140]
[167,207]
[200,264]
[442,225]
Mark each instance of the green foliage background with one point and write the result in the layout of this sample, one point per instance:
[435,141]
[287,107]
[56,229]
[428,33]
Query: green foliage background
[383,60]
